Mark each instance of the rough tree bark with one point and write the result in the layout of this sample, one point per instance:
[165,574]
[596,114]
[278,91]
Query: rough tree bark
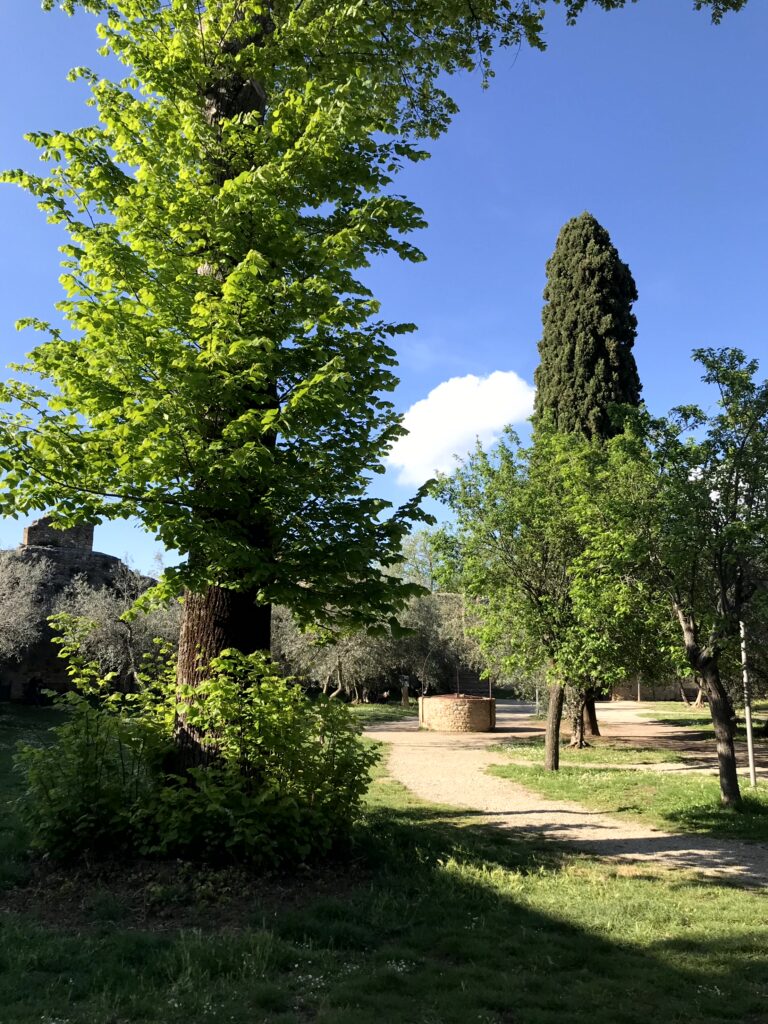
[213,621]
[552,735]
[591,728]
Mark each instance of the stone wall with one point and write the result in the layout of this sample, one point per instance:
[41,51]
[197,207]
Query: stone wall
[42,534]
[448,713]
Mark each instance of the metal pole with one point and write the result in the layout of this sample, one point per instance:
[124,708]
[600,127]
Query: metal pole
[747,706]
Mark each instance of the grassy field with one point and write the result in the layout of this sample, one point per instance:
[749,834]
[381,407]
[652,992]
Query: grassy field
[669,712]
[675,801]
[371,714]
[424,919]
[600,752]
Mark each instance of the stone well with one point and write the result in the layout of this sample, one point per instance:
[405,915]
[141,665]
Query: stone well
[457,713]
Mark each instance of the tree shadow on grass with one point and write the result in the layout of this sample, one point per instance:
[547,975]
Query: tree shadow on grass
[439,921]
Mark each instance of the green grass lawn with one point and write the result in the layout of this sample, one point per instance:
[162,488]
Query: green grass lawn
[424,919]
[372,714]
[600,752]
[668,712]
[682,802]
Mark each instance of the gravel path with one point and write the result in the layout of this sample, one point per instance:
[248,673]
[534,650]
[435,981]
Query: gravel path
[450,769]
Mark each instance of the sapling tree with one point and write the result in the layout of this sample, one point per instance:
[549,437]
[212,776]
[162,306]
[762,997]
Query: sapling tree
[515,546]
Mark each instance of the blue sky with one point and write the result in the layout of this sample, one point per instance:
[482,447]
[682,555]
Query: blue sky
[650,118]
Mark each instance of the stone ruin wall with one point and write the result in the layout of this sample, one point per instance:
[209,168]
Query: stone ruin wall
[42,534]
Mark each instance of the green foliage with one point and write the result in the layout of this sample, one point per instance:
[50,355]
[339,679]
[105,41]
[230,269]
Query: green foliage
[86,792]
[402,934]
[587,366]
[431,645]
[223,375]
[683,514]
[520,553]
[287,777]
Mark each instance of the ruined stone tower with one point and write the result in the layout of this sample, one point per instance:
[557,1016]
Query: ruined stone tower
[70,554]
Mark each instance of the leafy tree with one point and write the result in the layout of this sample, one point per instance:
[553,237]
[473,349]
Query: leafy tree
[514,557]
[523,554]
[587,364]
[93,621]
[24,603]
[684,514]
[432,646]
[421,561]
[223,373]
[587,369]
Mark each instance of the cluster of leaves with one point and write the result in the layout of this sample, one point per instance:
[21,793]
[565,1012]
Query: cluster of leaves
[519,548]
[282,779]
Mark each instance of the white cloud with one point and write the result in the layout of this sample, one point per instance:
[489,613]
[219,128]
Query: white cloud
[452,416]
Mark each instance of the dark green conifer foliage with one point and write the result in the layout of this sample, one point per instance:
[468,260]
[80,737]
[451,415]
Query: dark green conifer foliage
[586,364]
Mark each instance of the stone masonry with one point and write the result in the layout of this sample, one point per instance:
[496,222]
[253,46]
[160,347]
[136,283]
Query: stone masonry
[450,713]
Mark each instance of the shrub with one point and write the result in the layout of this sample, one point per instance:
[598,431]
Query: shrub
[282,776]
[84,791]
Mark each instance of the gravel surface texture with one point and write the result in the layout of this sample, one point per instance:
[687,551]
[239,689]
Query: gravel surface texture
[450,769]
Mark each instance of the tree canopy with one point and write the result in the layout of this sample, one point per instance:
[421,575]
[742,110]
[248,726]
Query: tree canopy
[224,372]
[587,366]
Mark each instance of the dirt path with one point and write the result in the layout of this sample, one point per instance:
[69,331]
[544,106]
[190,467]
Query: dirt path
[450,769]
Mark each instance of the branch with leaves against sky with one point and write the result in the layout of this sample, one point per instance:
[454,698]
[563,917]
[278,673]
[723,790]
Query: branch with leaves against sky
[223,373]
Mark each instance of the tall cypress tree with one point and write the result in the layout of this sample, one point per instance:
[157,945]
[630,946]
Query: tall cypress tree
[589,330]
[586,364]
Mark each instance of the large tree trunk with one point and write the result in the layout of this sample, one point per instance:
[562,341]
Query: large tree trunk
[591,728]
[552,736]
[212,621]
[705,663]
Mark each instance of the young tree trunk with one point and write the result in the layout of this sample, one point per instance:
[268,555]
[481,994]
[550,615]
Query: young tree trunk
[700,695]
[724,722]
[405,699]
[705,663]
[576,700]
[682,694]
[340,681]
[591,728]
[552,736]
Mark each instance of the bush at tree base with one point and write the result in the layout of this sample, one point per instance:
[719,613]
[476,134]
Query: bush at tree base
[284,780]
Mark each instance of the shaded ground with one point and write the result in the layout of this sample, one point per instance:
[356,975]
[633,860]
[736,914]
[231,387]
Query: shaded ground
[452,769]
